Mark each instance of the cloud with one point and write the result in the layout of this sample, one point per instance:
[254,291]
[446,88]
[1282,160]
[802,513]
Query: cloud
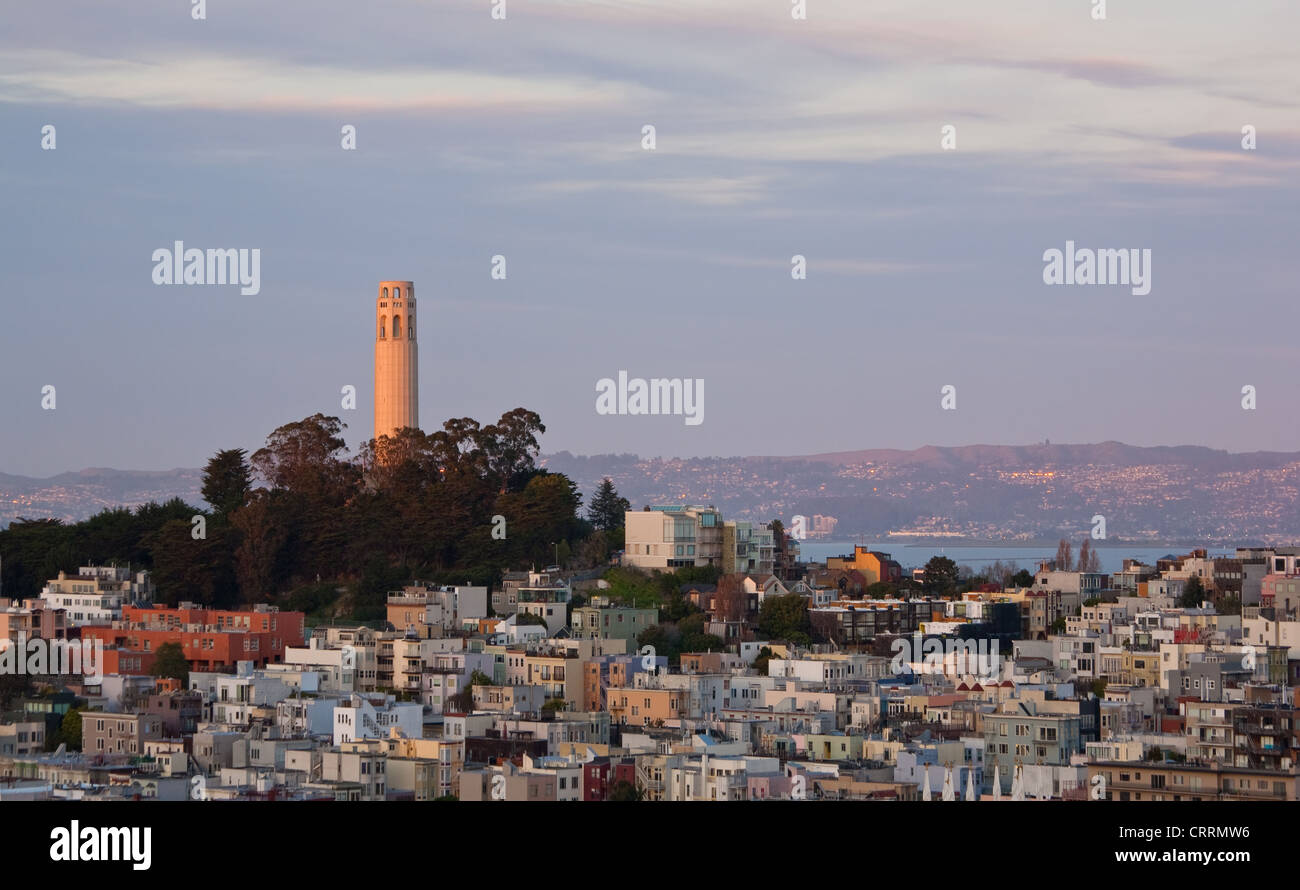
[238,83]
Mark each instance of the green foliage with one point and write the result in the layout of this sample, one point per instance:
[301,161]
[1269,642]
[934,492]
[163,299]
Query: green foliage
[311,599]
[169,661]
[14,686]
[227,480]
[37,550]
[201,571]
[633,587]
[785,618]
[764,656]
[463,701]
[623,790]
[411,505]
[1022,578]
[607,507]
[880,590]
[378,578]
[940,576]
[70,730]
[1193,593]
[699,574]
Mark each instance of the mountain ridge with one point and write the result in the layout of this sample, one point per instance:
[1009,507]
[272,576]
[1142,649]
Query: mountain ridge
[1005,492]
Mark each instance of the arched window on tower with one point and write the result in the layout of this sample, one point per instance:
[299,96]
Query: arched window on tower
[397,293]
[410,327]
[385,293]
[397,327]
[383,327]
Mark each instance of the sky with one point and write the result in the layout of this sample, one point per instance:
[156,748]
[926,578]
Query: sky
[774,137]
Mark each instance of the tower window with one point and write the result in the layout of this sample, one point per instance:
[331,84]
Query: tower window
[397,293]
[397,326]
[410,328]
[383,326]
[385,293]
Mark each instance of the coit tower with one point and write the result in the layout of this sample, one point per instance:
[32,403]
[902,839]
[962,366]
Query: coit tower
[397,368]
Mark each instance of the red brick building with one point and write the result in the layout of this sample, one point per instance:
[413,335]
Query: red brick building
[210,638]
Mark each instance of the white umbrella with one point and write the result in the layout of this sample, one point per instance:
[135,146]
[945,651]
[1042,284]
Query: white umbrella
[925,785]
[997,782]
[1018,785]
[947,784]
[970,783]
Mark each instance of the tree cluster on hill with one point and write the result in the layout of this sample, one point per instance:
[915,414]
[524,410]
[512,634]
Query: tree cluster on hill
[457,504]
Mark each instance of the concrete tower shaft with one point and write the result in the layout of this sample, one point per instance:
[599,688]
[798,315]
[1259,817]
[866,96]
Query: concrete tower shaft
[397,367]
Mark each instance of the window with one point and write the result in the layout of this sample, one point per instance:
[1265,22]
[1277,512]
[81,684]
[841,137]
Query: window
[383,327]
[397,327]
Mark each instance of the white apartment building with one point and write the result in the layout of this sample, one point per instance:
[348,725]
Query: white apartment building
[369,717]
[96,594]
[669,537]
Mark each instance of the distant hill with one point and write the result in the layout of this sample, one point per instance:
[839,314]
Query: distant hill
[74,496]
[985,492]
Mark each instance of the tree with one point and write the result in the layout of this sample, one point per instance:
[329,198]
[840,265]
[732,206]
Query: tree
[1022,578]
[1064,561]
[263,534]
[1193,593]
[200,570]
[511,448]
[70,730]
[463,701]
[881,590]
[623,790]
[169,661]
[607,508]
[227,480]
[307,458]
[1089,558]
[729,600]
[785,618]
[764,656]
[593,550]
[940,576]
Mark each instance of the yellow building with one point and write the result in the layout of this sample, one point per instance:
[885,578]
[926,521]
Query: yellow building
[875,567]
